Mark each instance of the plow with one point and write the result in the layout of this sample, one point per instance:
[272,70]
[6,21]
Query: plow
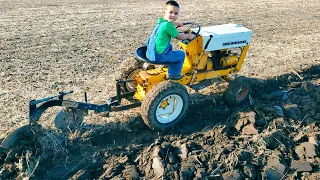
[216,52]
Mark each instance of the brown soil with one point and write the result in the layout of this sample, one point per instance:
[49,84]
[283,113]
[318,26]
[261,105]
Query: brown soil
[47,47]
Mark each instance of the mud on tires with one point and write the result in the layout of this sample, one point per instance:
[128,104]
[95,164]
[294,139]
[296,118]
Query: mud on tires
[165,105]
[238,91]
[129,68]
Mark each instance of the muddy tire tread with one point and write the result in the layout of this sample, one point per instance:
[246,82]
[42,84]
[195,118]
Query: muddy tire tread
[229,94]
[126,67]
[153,98]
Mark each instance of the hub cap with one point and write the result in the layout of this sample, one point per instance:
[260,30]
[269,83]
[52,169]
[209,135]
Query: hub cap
[242,93]
[169,109]
[131,86]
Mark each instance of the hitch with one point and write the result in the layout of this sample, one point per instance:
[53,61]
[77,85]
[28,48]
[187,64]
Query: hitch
[37,107]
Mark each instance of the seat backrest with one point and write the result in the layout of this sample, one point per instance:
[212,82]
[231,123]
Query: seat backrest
[141,52]
[141,55]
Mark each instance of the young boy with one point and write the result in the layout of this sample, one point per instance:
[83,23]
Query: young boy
[162,52]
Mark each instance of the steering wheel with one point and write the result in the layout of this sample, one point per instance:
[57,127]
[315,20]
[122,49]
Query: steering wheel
[191,24]
[186,41]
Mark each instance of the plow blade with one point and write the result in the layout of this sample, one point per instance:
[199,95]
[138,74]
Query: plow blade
[69,118]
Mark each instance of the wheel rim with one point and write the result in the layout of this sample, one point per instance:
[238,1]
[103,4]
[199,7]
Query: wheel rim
[131,86]
[169,109]
[242,93]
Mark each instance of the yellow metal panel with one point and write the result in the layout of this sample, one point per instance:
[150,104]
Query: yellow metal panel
[143,89]
[194,48]
[219,73]
[203,61]
[140,94]
[209,64]
[154,77]
[242,56]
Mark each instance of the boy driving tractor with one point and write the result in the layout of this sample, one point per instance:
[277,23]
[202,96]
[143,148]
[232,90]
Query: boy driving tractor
[159,46]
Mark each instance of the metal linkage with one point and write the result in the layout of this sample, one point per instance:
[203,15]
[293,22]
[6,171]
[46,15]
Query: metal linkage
[37,107]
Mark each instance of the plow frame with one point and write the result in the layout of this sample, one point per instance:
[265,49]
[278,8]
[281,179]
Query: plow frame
[37,107]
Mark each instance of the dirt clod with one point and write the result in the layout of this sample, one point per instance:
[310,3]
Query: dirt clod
[301,166]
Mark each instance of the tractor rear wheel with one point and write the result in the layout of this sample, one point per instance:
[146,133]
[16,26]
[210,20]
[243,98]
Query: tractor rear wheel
[165,105]
[238,91]
[128,71]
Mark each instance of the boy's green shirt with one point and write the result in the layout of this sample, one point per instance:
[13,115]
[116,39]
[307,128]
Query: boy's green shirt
[165,32]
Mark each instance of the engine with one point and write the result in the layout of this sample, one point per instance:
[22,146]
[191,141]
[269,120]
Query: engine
[225,43]
[223,59]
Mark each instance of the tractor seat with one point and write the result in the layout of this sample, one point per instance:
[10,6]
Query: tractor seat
[141,55]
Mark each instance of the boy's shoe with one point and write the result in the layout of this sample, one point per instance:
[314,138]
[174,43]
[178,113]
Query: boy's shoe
[177,77]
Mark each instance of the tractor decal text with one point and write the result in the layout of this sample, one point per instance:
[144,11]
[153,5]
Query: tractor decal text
[234,42]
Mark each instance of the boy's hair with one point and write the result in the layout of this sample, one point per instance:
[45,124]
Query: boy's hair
[172,3]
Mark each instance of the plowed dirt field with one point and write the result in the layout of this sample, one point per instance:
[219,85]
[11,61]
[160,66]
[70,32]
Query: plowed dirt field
[51,46]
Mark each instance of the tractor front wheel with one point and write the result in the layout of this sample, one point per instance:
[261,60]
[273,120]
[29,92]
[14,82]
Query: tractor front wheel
[165,105]
[238,91]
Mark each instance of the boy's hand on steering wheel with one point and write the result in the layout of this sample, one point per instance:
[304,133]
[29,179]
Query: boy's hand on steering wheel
[178,24]
[191,36]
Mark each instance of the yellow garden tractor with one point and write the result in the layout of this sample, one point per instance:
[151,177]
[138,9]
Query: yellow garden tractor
[215,52]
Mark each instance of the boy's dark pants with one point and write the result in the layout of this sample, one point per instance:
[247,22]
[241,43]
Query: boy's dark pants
[172,58]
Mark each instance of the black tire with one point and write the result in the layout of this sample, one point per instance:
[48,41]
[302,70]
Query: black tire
[165,93]
[128,70]
[238,91]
